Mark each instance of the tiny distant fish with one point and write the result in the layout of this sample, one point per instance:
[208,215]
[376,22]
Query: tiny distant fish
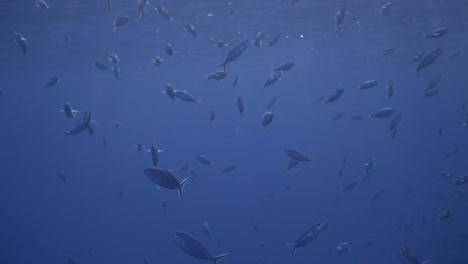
[368,84]
[407,22]
[254,227]
[418,56]
[236,80]
[191,29]
[357,117]
[388,51]
[61,177]
[258,38]
[185,96]
[338,116]
[82,124]
[272,102]
[462,180]
[221,44]
[445,174]
[409,255]
[218,75]
[297,155]
[141,8]
[333,97]
[169,90]
[166,179]
[438,33]
[52,81]
[292,163]
[154,150]
[206,229]
[42,4]
[184,167]
[284,67]
[194,248]
[108,4]
[116,124]
[235,53]
[66,38]
[162,11]
[120,22]
[240,105]
[428,59]
[383,113]
[101,66]
[164,204]
[308,236]
[266,120]
[386,9]
[455,54]
[274,77]
[68,110]
[115,72]
[212,116]
[342,248]
[204,160]
[440,131]
[21,41]
[230,168]
[157,61]
[169,50]
[431,92]
[377,196]
[139,147]
[274,40]
[114,58]
[369,165]
[350,186]
[433,83]
[390,90]
[394,124]
[339,17]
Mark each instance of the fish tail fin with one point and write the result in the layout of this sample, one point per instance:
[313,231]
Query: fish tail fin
[219,257]
[415,70]
[222,64]
[66,133]
[293,248]
[371,115]
[182,186]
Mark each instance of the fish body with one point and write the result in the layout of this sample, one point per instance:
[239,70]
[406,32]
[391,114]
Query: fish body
[297,155]
[162,11]
[338,116]
[61,177]
[101,66]
[274,77]
[52,81]
[235,53]
[68,110]
[185,96]
[169,90]
[438,33]
[266,119]
[369,165]
[193,247]
[258,38]
[166,179]
[431,92]
[388,51]
[114,58]
[272,102]
[21,41]
[83,123]
[154,150]
[42,4]
[204,160]
[308,236]
[368,84]
[386,9]
[236,80]
[240,105]
[292,163]
[212,116]
[342,248]
[115,72]
[274,40]
[409,255]
[169,50]
[339,17]
[462,180]
[285,67]
[350,186]
[455,54]
[120,22]
[218,75]
[157,61]
[191,29]
[333,97]
[141,8]
[390,90]
[230,168]
[383,113]
[428,59]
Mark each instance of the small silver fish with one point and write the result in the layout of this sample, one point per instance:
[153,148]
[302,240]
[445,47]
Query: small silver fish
[194,248]
[68,110]
[101,66]
[185,96]
[266,120]
[42,4]
[157,61]
[166,179]
[120,22]
[52,81]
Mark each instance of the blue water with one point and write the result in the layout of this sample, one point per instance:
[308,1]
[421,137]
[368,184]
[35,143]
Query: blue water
[45,220]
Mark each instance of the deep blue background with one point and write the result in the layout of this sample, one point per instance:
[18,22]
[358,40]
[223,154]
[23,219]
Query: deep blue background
[43,220]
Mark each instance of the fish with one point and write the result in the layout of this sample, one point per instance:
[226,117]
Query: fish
[169,90]
[342,248]
[390,90]
[115,72]
[394,124]
[157,61]
[154,150]
[195,248]
[206,229]
[383,113]
[166,179]
[308,236]
[164,204]
[169,50]
[191,29]
[61,177]
[284,67]
[139,147]
[369,165]
[388,51]
[428,59]
[258,38]
[240,105]
[462,180]
[433,83]
[108,4]
[272,102]
[357,117]
[114,58]
[185,96]
[377,196]
[21,41]
[339,17]
[2,93]
[52,81]
[297,155]
[386,9]
[204,160]
[350,186]
[409,255]
[218,75]
[235,53]
[431,92]
[230,168]
[81,125]
[274,77]
[446,214]
[368,84]
[120,22]
[455,54]
[162,11]
[440,131]
[292,163]
[338,116]
[101,66]
[405,23]
[212,116]
[234,83]
[68,110]
[42,4]
[274,40]
[267,117]
[90,129]
[333,97]
[221,44]
[254,227]
[437,33]
[141,8]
